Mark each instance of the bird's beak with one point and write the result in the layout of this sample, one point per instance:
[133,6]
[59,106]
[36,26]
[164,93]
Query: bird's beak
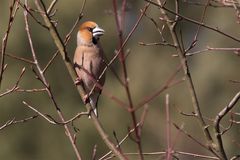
[97,32]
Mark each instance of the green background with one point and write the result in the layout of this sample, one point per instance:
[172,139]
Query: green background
[148,68]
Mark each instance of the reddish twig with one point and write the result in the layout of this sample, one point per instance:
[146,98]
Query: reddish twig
[191,137]
[119,23]
[168,130]
[169,83]
[176,154]
[125,41]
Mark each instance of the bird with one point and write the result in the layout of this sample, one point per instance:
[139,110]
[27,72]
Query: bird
[89,62]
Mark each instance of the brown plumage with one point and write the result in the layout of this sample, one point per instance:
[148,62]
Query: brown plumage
[89,61]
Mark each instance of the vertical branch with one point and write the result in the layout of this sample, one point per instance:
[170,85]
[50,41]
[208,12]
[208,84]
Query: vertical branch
[12,15]
[44,81]
[198,28]
[181,53]
[217,121]
[168,130]
[119,18]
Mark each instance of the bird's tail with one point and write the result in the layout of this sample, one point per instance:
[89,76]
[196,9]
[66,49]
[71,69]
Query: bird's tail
[94,101]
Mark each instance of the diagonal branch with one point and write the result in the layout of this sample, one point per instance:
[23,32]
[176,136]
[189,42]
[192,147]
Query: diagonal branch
[196,22]
[12,15]
[44,81]
[60,45]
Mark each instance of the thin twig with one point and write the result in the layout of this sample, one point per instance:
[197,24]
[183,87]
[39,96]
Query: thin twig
[51,120]
[196,22]
[156,43]
[94,152]
[120,142]
[44,81]
[19,58]
[168,129]
[31,90]
[169,83]
[119,21]
[12,14]
[39,113]
[181,53]
[218,119]
[192,155]
[13,121]
[31,14]
[51,6]
[67,37]
[190,136]
[15,87]
[194,41]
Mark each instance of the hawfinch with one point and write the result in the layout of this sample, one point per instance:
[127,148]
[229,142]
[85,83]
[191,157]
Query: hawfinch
[89,62]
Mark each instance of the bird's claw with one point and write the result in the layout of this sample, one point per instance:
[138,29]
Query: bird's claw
[78,81]
[86,99]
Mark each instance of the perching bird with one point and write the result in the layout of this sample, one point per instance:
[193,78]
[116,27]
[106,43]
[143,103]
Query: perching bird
[89,62]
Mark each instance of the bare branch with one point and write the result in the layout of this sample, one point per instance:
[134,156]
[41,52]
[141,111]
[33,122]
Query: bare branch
[165,86]
[67,37]
[19,58]
[15,87]
[31,14]
[156,43]
[39,113]
[168,130]
[51,6]
[43,79]
[59,43]
[13,121]
[181,53]
[190,136]
[120,142]
[51,120]
[196,22]
[94,152]
[218,119]
[13,11]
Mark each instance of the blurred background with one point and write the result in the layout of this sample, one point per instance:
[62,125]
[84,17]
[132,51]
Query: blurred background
[148,68]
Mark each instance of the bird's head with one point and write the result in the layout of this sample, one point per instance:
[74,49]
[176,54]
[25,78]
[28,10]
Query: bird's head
[89,33]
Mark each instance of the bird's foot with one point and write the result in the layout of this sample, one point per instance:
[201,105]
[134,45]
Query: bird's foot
[78,81]
[86,99]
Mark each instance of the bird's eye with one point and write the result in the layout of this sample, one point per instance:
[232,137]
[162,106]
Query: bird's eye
[90,29]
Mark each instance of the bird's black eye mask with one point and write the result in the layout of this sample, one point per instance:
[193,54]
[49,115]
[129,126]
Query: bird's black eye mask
[90,29]
[94,39]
